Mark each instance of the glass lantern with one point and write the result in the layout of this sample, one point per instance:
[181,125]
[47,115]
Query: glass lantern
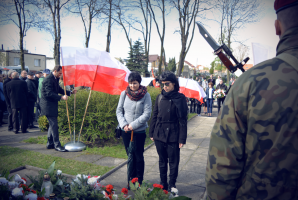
[47,185]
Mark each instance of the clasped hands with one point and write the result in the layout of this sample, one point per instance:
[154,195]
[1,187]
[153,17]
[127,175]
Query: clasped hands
[127,128]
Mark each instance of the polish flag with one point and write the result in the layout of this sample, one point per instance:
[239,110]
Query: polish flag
[93,68]
[191,89]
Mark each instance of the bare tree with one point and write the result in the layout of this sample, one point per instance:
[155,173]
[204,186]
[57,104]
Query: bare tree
[188,11]
[160,5]
[235,14]
[241,52]
[88,10]
[23,16]
[55,7]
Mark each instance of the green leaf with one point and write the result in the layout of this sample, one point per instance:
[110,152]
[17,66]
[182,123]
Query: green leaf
[30,185]
[51,169]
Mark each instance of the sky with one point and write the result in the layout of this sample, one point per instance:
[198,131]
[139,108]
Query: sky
[200,53]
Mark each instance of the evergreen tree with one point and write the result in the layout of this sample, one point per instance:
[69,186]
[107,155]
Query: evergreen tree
[137,58]
[172,65]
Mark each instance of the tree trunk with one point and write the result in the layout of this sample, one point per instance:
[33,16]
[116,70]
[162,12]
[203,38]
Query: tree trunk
[160,60]
[109,28]
[89,31]
[22,59]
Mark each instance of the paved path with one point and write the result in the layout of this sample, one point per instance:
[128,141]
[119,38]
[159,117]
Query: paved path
[192,166]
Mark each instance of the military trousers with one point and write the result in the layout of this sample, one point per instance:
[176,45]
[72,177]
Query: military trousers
[169,153]
[53,134]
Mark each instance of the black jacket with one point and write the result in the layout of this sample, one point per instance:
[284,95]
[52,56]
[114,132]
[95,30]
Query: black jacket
[165,124]
[7,80]
[22,79]
[16,92]
[36,82]
[32,91]
[49,96]
[211,80]
[222,87]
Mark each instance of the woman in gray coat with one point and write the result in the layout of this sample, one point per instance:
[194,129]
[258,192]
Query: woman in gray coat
[133,112]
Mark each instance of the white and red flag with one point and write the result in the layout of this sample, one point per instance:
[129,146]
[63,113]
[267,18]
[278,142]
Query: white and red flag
[93,68]
[191,89]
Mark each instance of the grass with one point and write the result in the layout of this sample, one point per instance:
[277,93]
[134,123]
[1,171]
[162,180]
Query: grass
[11,158]
[115,151]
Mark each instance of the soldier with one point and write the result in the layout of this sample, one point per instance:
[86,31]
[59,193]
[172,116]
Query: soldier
[253,151]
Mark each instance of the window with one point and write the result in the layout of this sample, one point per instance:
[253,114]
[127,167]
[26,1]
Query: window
[37,62]
[16,61]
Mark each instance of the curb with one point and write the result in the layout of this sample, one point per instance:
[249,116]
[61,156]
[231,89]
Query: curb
[125,162]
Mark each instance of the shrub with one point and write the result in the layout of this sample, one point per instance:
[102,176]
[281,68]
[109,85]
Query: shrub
[100,120]
[43,123]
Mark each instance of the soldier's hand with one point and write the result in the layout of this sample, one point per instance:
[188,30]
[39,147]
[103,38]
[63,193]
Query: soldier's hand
[65,97]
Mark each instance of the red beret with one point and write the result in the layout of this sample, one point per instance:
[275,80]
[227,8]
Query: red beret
[283,4]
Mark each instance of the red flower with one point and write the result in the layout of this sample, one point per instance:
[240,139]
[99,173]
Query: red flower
[134,180]
[23,185]
[27,189]
[33,191]
[124,191]
[24,179]
[109,188]
[157,186]
[23,191]
[95,176]
[165,191]
[89,176]
[41,198]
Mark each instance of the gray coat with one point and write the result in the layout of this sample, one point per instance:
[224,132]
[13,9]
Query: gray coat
[135,113]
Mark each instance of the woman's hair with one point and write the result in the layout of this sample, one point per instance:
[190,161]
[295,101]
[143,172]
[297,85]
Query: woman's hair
[169,76]
[210,83]
[134,76]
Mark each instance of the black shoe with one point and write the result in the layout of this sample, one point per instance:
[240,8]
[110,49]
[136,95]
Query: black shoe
[165,185]
[33,127]
[60,148]
[16,132]
[51,146]
[25,131]
[10,129]
[3,123]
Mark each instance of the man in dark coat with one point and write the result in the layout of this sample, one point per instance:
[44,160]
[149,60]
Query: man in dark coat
[49,106]
[17,94]
[211,80]
[32,96]
[168,128]
[10,125]
[36,78]
[221,86]
[23,76]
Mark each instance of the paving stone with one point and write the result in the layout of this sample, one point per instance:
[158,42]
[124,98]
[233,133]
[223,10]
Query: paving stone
[190,145]
[151,151]
[192,178]
[68,155]
[186,152]
[194,166]
[109,161]
[151,160]
[205,143]
[90,158]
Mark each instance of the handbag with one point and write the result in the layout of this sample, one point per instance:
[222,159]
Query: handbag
[118,132]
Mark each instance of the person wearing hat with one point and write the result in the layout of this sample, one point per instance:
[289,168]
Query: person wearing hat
[38,74]
[32,96]
[168,128]
[253,152]
[17,93]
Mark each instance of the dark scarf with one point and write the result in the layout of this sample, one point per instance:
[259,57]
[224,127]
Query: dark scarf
[136,95]
[179,101]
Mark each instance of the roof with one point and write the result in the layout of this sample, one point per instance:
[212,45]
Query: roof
[153,58]
[247,66]
[189,64]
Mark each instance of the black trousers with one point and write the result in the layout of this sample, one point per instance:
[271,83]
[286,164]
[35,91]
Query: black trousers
[2,109]
[30,113]
[10,124]
[192,107]
[138,156]
[53,134]
[220,102]
[168,153]
[23,117]
[199,105]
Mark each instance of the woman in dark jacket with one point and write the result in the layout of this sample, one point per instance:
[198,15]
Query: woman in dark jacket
[168,128]
[133,112]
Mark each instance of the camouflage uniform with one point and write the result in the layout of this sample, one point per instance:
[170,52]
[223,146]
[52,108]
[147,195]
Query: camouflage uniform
[253,152]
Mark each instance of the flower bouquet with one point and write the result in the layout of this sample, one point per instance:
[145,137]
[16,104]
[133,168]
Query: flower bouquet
[219,93]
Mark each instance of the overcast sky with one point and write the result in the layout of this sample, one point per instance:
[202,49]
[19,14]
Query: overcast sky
[200,52]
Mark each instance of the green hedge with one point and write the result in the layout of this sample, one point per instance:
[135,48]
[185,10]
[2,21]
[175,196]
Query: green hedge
[100,121]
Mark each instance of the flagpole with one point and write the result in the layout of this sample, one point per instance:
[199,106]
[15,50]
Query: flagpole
[74,119]
[67,109]
[87,105]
